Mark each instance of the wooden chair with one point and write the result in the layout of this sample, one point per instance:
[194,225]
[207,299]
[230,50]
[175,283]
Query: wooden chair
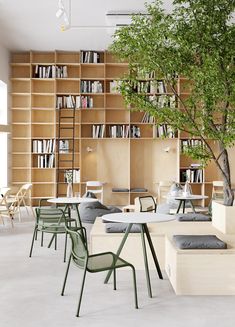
[95,187]
[163,190]
[22,198]
[6,209]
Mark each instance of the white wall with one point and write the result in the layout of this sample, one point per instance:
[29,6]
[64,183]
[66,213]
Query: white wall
[4,76]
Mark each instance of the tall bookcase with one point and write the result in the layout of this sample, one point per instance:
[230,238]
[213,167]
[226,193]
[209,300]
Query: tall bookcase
[112,144]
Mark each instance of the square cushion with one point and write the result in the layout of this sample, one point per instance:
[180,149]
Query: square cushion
[198,242]
[120,228]
[191,216]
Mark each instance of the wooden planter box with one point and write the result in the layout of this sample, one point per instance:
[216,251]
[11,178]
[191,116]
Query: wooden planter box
[223,218]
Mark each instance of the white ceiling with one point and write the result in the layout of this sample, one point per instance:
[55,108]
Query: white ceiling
[32,24]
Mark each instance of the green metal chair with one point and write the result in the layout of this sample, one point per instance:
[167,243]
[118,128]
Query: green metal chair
[51,220]
[93,263]
[147,204]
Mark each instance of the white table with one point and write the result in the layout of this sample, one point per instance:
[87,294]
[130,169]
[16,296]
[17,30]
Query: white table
[71,201]
[190,198]
[140,218]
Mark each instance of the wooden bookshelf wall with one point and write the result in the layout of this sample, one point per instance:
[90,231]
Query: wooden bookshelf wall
[39,80]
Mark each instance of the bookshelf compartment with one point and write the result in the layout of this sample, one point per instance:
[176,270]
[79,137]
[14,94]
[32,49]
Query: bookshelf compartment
[115,71]
[92,57]
[73,71]
[43,86]
[43,190]
[20,86]
[43,101]
[20,116]
[110,58]
[21,131]
[21,145]
[136,116]
[20,71]
[43,57]
[114,102]
[42,116]
[141,131]
[68,132]
[21,160]
[64,57]
[68,156]
[43,131]
[92,71]
[21,101]
[21,176]
[43,175]
[20,57]
[92,116]
[70,146]
[117,116]
[97,100]
[67,86]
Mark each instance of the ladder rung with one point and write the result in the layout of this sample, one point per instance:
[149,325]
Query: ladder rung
[65,160]
[66,117]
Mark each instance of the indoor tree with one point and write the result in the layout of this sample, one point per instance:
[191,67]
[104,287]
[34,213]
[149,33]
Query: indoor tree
[195,40]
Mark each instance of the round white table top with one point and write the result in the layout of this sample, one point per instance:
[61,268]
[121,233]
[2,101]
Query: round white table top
[190,197]
[138,217]
[74,200]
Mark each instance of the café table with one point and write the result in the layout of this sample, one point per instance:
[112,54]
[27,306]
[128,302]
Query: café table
[73,201]
[188,198]
[141,219]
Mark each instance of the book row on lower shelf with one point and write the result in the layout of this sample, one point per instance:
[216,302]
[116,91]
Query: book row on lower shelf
[192,175]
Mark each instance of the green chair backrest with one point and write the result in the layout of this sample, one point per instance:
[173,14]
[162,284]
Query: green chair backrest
[79,250]
[49,215]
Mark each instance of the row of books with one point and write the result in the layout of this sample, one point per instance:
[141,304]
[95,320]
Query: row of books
[141,74]
[72,176]
[46,161]
[86,102]
[50,71]
[191,175]
[154,87]
[114,86]
[98,131]
[147,118]
[91,87]
[185,144]
[68,101]
[43,146]
[164,130]
[63,146]
[135,131]
[90,57]
[117,131]
[163,101]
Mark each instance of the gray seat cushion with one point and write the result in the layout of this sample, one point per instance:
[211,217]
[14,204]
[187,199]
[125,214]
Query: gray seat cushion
[191,216]
[120,228]
[198,242]
[90,210]
[139,189]
[120,189]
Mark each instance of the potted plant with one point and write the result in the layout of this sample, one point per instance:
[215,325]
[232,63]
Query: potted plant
[196,42]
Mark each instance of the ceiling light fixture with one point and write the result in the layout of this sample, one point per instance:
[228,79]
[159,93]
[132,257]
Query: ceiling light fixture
[114,19]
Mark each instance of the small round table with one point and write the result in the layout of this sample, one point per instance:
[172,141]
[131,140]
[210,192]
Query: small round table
[71,201]
[190,198]
[140,218]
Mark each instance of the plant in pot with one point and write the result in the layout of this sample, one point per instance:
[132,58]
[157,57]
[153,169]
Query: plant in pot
[193,44]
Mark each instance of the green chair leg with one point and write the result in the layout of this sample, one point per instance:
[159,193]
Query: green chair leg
[55,241]
[135,287]
[81,292]
[52,239]
[42,239]
[66,275]
[114,279]
[31,249]
[65,246]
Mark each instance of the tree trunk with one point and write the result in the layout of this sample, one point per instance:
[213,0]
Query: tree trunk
[228,193]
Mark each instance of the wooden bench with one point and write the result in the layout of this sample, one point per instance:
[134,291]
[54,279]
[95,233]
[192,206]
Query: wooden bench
[102,241]
[201,271]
